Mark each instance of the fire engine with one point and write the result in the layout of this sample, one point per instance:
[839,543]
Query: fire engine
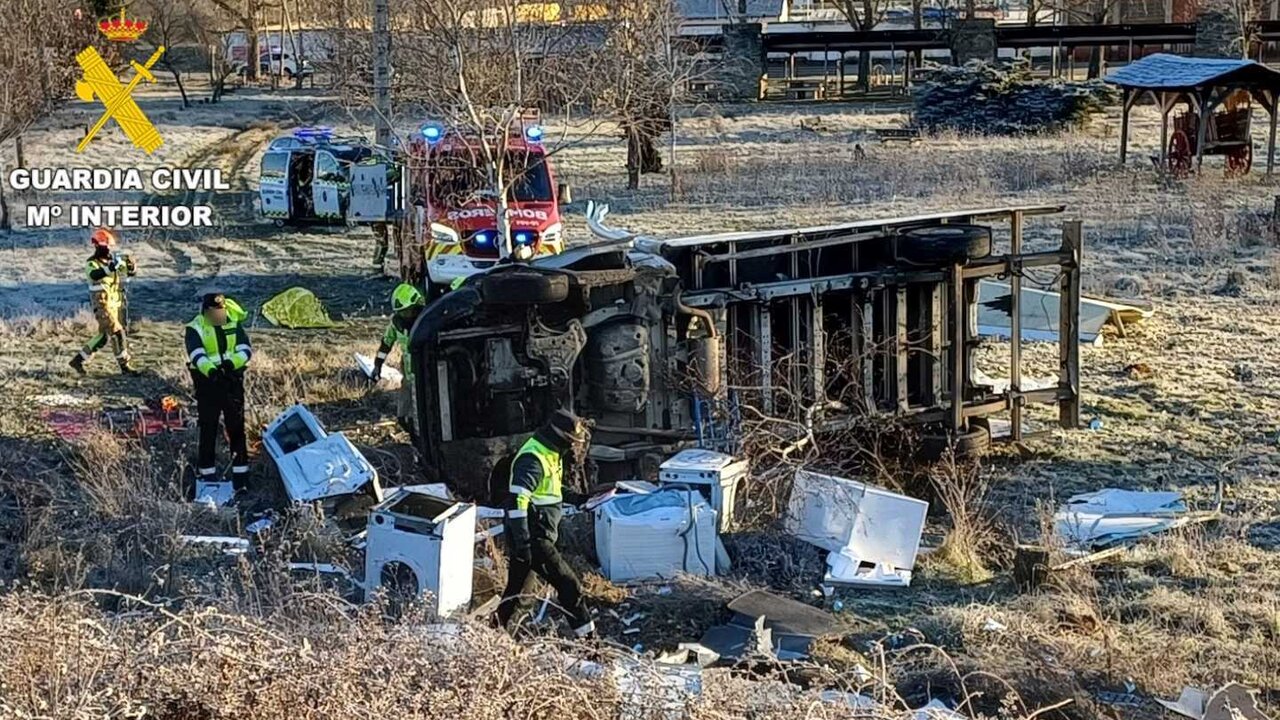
[454,183]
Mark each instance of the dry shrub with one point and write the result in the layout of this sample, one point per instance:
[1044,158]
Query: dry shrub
[322,658]
[963,489]
[713,161]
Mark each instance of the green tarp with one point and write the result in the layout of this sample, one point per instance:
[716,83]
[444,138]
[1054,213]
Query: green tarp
[296,308]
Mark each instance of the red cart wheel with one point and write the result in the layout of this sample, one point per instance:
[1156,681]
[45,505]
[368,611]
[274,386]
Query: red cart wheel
[1240,161]
[1179,153]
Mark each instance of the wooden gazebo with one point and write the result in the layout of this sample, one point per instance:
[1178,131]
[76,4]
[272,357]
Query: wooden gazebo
[1217,93]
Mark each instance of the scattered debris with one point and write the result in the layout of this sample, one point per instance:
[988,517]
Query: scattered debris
[716,474]
[417,543]
[296,307]
[314,464]
[993,626]
[936,710]
[1232,702]
[214,494]
[767,624]
[321,569]
[1001,385]
[873,535]
[230,545]
[656,535]
[390,377]
[259,525]
[655,691]
[158,415]
[1110,517]
[1040,311]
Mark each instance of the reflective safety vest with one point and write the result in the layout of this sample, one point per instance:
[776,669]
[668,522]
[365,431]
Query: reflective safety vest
[548,491]
[109,284]
[207,357]
[396,336]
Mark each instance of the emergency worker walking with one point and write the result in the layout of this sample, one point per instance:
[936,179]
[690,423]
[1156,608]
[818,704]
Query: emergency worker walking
[106,271]
[534,506]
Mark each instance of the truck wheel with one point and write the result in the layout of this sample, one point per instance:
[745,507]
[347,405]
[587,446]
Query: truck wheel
[968,443]
[524,287]
[943,244]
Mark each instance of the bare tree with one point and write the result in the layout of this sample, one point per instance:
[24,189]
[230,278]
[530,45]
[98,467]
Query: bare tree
[863,15]
[649,72]
[477,70]
[171,23]
[38,65]
[247,15]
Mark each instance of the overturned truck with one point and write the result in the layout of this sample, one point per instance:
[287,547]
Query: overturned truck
[658,340]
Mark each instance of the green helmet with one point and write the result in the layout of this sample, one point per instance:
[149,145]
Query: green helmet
[405,297]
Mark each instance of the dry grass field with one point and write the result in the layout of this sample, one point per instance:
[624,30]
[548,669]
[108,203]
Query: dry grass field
[104,612]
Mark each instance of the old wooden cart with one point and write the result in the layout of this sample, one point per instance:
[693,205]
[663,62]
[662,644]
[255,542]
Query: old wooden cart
[1226,133]
[1218,95]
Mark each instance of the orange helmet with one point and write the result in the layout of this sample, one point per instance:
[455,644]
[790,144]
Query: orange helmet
[103,237]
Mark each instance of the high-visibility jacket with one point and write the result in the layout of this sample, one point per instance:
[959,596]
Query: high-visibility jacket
[397,333]
[208,346]
[103,278]
[547,489]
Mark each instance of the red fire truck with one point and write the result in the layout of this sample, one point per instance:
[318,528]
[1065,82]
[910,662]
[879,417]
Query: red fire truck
[456,187]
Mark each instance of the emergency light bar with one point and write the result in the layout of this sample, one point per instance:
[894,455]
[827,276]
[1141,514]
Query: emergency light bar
[313,133]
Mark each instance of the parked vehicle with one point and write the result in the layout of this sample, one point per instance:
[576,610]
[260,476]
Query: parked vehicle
[307,176]
[655,338]
[275,62]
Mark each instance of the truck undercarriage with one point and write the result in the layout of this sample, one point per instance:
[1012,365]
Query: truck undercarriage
[655,339]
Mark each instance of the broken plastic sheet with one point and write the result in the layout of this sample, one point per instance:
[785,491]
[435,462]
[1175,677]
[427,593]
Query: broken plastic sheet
[1041,312]
[1232,702]
[391,377]
[296,307]
[1110,516]
[213,494]
[873,534]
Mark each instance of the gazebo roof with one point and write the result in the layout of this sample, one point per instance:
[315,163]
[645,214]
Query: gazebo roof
[1163,71]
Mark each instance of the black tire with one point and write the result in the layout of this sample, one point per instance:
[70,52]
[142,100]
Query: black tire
[939,245]
[523,287]
[969,443]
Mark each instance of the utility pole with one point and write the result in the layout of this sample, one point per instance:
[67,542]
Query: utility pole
[382,71]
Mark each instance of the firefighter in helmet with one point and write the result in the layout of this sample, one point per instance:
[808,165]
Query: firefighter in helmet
[105,271]
[407,303]
[534,506]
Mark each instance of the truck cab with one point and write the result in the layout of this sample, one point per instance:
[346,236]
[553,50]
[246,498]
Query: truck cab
[456,198]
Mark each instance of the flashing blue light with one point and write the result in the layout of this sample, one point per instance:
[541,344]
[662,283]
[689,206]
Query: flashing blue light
[481,238]
[432,132]
[533,133]
[524,237]
[313,133]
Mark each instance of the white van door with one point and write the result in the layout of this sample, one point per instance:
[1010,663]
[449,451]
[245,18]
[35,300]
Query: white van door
[273,186]
[327,184]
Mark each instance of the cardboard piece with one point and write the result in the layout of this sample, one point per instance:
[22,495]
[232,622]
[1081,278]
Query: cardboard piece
[391,377]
